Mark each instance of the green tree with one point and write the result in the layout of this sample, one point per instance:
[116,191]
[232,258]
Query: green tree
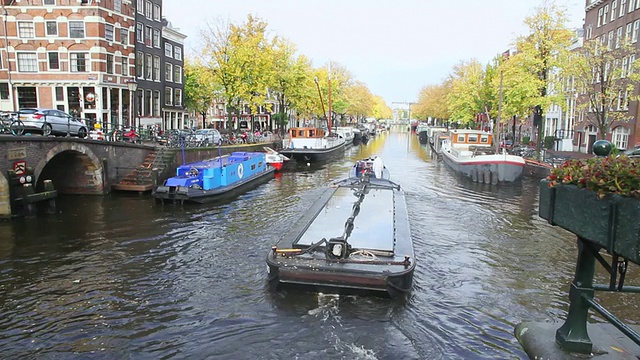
[199,88]
[465,100]
[543,54]
[605,82]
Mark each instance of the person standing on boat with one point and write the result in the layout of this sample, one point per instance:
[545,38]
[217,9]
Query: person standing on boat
[377,167]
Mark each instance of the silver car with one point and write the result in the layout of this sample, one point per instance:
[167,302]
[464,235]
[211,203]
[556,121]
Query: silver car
[52,122]
[207,136]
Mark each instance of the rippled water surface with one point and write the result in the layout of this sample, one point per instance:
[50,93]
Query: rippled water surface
[123,277]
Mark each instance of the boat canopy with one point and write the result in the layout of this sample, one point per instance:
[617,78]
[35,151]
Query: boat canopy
[471,137]
[306,132]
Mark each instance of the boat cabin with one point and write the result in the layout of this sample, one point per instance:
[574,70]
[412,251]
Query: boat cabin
[306,132]
[465,138]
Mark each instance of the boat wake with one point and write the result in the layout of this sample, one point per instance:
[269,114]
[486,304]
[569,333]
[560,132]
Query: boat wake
[328,311]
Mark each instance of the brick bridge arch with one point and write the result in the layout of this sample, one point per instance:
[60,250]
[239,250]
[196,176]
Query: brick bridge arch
[73,168]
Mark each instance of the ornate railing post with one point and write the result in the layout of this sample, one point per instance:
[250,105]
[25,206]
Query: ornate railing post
[573,336]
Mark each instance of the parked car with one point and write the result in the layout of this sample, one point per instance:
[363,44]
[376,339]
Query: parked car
[633,153]
[209,136]
[52,122]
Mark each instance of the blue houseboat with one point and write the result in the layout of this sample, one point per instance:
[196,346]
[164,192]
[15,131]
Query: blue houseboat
[209,180]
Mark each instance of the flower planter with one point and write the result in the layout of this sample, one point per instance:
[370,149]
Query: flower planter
[612,222]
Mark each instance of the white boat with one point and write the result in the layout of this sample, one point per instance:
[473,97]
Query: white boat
[311,144]
[347,133]
[472,154]
[274,158]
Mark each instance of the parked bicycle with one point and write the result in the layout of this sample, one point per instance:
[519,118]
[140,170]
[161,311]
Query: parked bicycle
[10,123]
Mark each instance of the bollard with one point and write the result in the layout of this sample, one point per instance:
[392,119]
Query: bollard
[154,177]
[29,208]
[51,203]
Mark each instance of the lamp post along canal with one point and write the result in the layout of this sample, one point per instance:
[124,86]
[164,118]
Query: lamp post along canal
[132,85]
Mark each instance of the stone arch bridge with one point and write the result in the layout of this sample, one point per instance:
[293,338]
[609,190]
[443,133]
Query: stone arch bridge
[75,166]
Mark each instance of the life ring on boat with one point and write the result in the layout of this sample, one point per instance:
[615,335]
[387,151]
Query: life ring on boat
[240,171]
[193,172]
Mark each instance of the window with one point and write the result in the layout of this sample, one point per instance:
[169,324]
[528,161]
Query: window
[168,72]
[178,53]
[139,32]
[156,12]
[638,4]
[139,64]
[124,36]
[627,35]
[148,67]
[614,7]
[25,29]
[156,38]
[79,62]
[610,43]
[620,137]
[117,5]
[606,14]
[618,37]
[623,69]
[59,93]
[76,29]
[178,97]
[147,35]
[125,66]
[110,64]
[623,5]
[49,2]
[147,10]
[588,33]
[148,104]
[631,7]
[177,74]
[168,96]
[156,68]
[156,103]
[27,62]
[634,33]
[168,50]
[108,32]
[4,91]
[140,6]
[52,28]
[600,14]
[54,60]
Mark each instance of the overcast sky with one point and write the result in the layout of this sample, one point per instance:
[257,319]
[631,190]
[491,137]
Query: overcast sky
[396,47]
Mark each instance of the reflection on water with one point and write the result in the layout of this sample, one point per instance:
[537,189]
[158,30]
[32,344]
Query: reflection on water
[123,277]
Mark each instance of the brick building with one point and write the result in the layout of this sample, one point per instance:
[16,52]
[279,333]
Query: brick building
[72,55]
[612,21]
[79,56]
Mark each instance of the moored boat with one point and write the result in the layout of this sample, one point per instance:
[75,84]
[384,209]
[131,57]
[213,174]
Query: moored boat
[311,144]
[209,180]
[274,158]
[355,238]
[422,130]
[471,153]
[347,133]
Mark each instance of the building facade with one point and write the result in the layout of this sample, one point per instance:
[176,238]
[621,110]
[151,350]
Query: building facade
[71,55]
[148,57]
[612,21]
[173,112]
[82,56]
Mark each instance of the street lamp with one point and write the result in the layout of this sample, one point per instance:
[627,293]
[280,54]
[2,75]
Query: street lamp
[133,86]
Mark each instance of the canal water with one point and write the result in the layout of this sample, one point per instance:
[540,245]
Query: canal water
[121,277]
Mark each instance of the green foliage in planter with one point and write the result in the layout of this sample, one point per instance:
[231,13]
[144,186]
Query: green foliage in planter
[603,175]
[549,141]
[526,140]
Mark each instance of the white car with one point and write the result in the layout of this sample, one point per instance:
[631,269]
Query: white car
[52,122]
[208,136]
